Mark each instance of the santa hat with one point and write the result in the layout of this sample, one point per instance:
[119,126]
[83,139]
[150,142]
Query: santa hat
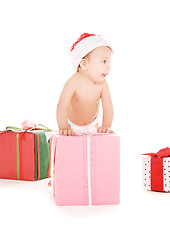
[85,44]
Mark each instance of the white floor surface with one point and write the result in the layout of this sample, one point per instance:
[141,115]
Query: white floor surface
[28,211]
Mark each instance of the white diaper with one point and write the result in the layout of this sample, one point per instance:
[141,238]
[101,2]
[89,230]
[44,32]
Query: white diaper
[91,128]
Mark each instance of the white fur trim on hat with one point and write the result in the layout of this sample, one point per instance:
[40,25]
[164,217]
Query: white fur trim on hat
[86,45]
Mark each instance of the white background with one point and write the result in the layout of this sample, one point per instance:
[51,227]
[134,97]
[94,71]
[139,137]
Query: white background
[35,40]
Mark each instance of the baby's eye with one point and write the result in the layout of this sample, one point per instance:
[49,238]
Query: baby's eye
[104,61]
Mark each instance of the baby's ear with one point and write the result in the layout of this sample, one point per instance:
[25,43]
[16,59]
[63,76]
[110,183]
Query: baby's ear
[83,64]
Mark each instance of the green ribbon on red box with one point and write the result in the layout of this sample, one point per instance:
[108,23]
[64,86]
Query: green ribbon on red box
[27,128]
[42,150]
[43,156]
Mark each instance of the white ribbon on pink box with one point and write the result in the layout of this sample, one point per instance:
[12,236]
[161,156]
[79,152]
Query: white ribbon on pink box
[94,172]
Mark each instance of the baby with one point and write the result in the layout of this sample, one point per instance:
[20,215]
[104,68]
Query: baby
[78,105]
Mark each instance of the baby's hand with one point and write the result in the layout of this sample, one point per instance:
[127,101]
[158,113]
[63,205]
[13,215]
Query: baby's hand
[105,130]
[67,132]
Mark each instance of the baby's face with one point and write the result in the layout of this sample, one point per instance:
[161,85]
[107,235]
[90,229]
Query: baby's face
[98,63]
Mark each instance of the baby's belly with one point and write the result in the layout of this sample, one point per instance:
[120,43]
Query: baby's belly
[84,114]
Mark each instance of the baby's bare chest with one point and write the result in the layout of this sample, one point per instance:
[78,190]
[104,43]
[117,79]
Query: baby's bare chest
[87,95]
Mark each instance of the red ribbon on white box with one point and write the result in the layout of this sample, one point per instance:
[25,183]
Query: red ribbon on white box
[156,169]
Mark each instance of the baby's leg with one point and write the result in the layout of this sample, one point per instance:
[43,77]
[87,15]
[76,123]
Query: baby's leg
[49,184]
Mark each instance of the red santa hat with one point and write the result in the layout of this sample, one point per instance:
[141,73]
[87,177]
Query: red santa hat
[85,44]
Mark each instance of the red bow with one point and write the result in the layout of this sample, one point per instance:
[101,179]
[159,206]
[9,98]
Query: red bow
[164,152]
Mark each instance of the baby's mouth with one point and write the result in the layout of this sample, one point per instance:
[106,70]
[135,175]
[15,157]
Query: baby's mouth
[103,75]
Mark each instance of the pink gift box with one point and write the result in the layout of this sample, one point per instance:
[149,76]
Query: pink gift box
[86,170]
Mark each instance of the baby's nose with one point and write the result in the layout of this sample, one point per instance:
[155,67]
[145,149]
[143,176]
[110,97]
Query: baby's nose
[108,68]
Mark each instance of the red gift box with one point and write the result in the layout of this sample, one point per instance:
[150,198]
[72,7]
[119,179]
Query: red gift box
[24,155]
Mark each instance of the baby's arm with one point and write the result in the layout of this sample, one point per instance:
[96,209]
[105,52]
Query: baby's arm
[107,110]
[62,107]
